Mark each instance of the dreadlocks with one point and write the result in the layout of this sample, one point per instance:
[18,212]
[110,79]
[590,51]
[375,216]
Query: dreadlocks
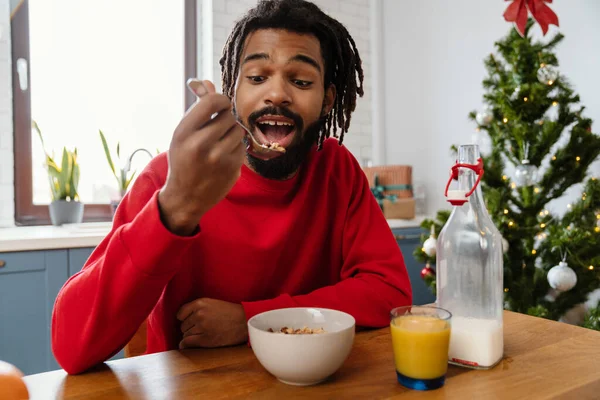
[342,61]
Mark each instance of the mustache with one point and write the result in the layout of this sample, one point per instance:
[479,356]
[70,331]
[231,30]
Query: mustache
[271,110]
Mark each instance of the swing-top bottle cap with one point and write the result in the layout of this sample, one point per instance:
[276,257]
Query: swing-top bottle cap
[457,197]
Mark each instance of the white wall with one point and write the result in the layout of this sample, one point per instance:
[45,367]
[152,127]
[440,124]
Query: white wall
[433,59]
[354,14]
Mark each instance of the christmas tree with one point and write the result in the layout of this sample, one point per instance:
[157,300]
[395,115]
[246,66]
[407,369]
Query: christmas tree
[535,123]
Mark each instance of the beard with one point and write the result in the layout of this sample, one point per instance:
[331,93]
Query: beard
[285,165]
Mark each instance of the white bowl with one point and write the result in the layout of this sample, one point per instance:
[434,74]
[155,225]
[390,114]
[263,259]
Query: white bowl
[302,359]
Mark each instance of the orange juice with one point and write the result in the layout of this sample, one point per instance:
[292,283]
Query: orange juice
[420,345]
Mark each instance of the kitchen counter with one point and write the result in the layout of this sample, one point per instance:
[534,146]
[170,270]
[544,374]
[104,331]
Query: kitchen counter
[91,234]
[24,238]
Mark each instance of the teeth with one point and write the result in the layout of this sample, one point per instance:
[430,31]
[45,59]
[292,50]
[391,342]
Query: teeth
[273,123]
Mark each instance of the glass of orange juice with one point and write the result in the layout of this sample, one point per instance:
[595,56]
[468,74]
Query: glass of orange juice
[420,340]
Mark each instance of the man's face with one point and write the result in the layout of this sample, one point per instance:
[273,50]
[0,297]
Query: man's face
[280,96]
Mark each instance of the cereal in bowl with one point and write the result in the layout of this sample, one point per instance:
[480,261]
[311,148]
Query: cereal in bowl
[303,331]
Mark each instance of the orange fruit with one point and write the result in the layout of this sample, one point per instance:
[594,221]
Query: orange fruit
[12,386]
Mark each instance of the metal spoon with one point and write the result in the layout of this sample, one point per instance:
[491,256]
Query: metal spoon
[200,90]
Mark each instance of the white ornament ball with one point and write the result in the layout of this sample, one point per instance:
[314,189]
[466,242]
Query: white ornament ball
[485,117]
[547,74]
[561,277]
[505,246]
[525,175]
[429,246]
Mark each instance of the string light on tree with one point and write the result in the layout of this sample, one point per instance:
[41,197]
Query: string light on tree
[430,245]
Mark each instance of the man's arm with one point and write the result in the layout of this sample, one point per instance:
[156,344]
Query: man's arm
[373,275]
[99,309]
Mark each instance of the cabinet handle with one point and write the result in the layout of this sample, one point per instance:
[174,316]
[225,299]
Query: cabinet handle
[2,263]
[404,237]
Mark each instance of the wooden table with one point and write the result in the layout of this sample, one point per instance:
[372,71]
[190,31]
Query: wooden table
[543,359]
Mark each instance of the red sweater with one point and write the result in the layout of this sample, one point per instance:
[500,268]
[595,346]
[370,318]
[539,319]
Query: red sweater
[318,239]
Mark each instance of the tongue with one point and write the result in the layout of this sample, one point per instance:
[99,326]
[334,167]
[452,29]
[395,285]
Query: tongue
[275,133]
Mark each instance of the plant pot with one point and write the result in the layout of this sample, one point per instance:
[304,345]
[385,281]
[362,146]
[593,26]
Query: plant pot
[114,204]
[65,212]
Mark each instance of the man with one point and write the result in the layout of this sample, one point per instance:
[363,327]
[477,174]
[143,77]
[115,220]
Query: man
[211,235]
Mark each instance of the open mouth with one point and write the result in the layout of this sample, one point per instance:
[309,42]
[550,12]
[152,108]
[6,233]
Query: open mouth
[275,130]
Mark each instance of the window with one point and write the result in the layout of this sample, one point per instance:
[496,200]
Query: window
[81,66]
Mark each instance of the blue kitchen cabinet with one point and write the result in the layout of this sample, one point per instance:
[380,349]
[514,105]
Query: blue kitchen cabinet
[29,283]
[409,239]
[77,258]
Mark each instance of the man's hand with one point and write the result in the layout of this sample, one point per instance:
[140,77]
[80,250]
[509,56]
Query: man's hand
[205,160]
[212,323]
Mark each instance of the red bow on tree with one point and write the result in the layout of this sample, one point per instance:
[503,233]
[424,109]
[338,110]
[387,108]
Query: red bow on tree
[517,13]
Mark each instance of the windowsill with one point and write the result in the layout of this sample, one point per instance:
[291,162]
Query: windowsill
[90,234]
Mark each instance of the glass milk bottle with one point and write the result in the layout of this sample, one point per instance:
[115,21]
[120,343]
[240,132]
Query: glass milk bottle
[470,269]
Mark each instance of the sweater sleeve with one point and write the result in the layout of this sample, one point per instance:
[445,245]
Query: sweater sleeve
[373,277]
[99,309]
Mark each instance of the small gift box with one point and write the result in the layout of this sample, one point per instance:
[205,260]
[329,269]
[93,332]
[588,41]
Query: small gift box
[392,187]
[401,208]
[391,179]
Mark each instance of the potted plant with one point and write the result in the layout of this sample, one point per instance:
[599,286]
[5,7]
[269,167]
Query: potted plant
[123,175]
[65,207]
